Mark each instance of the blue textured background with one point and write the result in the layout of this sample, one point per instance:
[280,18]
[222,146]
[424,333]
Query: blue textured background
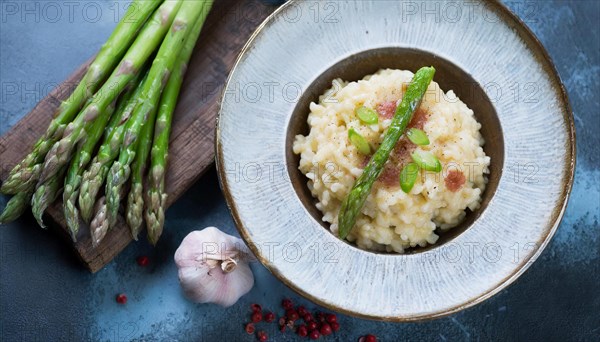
[46,295]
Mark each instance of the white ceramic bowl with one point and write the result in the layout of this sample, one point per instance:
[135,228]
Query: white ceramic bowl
[517,97]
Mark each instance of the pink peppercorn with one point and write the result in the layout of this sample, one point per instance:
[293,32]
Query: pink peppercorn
[302,311]
[262,336]
[121,298]
[287,304]
[325,329]
[256,317]
[291,314]
[269,317]
[314,335]
[368,338]
[302,331]
[143,260]
[331,318]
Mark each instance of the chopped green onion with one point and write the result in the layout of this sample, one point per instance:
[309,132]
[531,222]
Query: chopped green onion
[367,115]
[408,176]
[417,136]
[359,142]
[427,161]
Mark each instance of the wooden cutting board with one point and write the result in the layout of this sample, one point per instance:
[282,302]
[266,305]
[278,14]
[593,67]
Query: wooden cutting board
[228,27]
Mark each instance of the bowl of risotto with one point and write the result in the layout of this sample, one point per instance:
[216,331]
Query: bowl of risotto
[393,219]
[375,193]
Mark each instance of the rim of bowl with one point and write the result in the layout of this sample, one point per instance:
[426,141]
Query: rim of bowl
[541,54]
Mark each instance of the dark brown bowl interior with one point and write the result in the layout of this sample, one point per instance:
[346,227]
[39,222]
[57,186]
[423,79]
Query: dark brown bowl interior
[448,76]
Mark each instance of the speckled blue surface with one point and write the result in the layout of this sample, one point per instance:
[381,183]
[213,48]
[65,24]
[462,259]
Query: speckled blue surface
[45,294]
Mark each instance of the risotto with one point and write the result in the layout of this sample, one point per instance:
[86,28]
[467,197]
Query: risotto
[391,219]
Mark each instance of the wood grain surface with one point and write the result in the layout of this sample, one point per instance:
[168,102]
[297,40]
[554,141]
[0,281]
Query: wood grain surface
[229,25]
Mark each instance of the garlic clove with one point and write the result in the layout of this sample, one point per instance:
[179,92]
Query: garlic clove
[213,267]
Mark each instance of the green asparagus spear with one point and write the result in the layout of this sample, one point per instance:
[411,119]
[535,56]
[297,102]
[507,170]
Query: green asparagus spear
[135,207]
[24,175]
[45,194]
[15,207]
[156,195]
[145,43]
[78,164]
[355,200]
[157,77]
[93,178]
[135,203]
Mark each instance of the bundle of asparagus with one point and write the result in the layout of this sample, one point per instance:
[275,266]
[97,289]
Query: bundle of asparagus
[124,103]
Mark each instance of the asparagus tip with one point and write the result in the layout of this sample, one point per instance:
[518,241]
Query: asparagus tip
[73,235]
[99,225]
[38,206]
[15,207]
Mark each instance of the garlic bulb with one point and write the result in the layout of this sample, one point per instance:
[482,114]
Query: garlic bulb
[213,267]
